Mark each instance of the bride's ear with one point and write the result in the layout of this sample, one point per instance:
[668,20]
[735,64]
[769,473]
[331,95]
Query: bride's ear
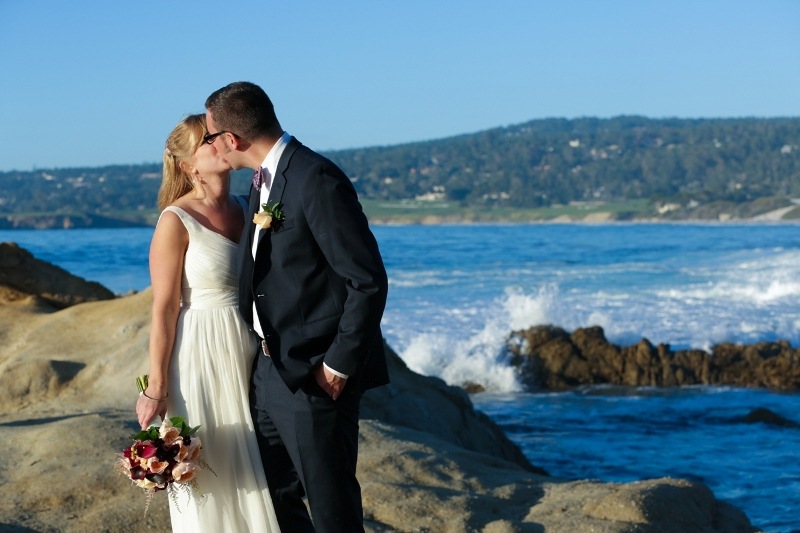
[187,167]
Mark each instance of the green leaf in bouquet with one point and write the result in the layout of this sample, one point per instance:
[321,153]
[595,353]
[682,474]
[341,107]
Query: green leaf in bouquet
[141,382]
[150,433]
[178,421]
[185,429]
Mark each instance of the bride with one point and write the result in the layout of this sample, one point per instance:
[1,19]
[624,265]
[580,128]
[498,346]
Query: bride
[200,350]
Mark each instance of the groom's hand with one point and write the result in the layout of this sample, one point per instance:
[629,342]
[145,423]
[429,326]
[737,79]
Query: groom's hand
[330,382]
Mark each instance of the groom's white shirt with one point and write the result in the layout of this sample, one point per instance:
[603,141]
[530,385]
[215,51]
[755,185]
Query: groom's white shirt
[270,167]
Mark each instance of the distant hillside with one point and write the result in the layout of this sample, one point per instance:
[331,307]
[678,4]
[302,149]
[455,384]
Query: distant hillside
[667,168]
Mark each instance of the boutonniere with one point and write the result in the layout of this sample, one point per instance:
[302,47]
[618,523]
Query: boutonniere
[271,216]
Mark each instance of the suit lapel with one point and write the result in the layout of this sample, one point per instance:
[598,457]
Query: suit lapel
[275,192]
[252,210]
[279,181]
[246,260]
[278,185]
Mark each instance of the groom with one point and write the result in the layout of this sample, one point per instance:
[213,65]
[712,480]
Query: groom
[313,287]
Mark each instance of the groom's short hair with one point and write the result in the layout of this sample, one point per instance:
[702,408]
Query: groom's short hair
[243,108]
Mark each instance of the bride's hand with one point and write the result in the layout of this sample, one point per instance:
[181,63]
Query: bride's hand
[147,409]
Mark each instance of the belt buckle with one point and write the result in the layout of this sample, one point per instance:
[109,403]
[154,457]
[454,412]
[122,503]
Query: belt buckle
[264,347]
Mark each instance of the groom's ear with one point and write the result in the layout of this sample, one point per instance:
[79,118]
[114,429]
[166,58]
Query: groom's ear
[238,143]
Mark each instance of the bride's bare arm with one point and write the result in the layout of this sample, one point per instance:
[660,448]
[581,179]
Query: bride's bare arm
[167,251]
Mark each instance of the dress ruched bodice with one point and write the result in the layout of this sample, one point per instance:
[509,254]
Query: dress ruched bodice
[210,271]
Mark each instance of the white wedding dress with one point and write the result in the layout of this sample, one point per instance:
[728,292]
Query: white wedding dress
[209,380]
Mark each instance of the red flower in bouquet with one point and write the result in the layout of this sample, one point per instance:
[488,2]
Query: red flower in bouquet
[160,456]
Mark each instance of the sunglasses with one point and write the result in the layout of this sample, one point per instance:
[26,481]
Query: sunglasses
[209,138]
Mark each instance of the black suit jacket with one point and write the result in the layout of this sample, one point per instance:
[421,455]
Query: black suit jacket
[318,280]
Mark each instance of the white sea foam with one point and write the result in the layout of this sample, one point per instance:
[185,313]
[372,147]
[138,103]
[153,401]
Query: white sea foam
[752,289]
[478,357]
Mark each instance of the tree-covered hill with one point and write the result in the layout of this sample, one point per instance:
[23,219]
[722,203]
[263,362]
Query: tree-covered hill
[680,167]
[543,162]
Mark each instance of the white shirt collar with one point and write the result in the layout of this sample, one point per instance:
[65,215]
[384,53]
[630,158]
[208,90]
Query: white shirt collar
[270,163]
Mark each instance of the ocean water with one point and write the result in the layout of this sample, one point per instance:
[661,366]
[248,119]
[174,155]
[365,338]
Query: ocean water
[456,292]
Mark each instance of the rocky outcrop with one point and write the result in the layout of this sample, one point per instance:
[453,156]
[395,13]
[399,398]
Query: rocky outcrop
[430,405]
[25,278]
[551,358]
[414,482]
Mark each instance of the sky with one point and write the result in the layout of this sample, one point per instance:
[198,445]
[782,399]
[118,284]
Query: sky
[93,83]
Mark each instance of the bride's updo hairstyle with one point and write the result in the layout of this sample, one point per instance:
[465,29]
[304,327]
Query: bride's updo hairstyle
[179,150]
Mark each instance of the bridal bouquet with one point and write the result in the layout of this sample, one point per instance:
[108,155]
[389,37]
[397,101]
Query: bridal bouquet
[160,456]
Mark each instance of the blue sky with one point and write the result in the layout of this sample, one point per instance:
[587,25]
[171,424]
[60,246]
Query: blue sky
[90,83]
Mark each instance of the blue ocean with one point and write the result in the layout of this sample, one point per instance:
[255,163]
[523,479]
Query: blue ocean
[457,291]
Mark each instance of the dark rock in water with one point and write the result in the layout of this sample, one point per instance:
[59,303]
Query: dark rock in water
[765,416]
[23,276]
[773,365]
[473,388]
[549,357]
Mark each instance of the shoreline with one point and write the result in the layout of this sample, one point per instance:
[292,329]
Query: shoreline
[447,221]
[401,212]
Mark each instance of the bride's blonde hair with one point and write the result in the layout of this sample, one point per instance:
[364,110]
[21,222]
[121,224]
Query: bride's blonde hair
[179,150]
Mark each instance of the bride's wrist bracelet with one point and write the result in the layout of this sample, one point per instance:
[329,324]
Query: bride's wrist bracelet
[141,384]
[154,399]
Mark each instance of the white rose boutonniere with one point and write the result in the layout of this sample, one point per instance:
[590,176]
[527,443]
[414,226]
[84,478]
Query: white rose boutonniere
[271,216]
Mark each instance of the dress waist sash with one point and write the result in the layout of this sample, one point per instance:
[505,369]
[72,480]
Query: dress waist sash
[208,298]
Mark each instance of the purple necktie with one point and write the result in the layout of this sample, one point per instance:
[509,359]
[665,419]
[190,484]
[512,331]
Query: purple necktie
[258,179]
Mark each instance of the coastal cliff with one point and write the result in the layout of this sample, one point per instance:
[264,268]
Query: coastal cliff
[429,461]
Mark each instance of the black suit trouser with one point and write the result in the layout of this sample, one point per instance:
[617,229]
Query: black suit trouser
[309,446]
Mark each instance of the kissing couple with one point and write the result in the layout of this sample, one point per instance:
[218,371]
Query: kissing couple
[266,322]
